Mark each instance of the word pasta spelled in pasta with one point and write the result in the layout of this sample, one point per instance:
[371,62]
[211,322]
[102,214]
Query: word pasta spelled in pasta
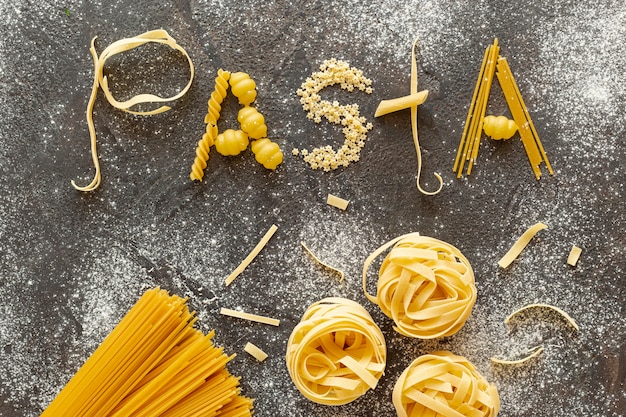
[425,285]
[154,363]
[355,127]
[446,385]
[336,353]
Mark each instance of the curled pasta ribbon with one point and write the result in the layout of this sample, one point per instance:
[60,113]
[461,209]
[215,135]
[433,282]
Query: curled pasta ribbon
[100,81]
[414,128]
[267,153]
[336,353]
[446,385]
[425,285]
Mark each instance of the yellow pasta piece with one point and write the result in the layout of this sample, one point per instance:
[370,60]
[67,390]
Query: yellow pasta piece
[267,153]
[252,122]
[338,271]
[520,244]
[250,317]
[444,384]
[519,111]
[255,351]
[536,351]
[425,285]
[573,256]
[100,81]
[153,363]
[268,235]
[470,139]
[401,103]
[231,142]
[336,353]
[533,353]
[243,87]
[340,203]
[499,127]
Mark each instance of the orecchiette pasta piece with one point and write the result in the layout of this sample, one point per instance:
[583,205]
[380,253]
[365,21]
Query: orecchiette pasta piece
[231,142]
[267,153]
[499,127]
[252,122]
[243,87]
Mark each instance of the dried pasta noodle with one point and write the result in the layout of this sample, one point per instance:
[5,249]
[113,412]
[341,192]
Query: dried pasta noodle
[574,255]
[425,285]
[336,353]
[414,128]
[444,384]
[537,350]
[257,249]
[153,363]
[255,351]
[319,261]
[100,81]
[520,244]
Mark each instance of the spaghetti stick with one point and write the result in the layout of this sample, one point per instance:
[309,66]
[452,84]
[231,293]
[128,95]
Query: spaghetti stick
[520,244]
[248,316]
[268,235]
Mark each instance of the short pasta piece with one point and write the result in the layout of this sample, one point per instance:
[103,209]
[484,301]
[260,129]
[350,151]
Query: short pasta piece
[340,203]
[336,353]
[499,127]
[267,153]
[444,384]
[574,254]
[252,122]
[255,351]
[248,316]
[425,285]
[243,87]
[520,244]
[231,142]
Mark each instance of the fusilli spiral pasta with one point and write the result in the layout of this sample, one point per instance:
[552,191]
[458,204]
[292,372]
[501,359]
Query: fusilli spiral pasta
[267,153]
[425,285]
[243,87]
[252,122]
[336,353]
[213,114]
[231,142]
[446,385]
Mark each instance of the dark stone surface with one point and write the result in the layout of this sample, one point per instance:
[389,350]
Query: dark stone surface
[71,264]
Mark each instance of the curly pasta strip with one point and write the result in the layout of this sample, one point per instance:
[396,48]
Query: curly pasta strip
[213,114]
[444,384]
[425,285]
[243,87]
[336,353]
[267,153]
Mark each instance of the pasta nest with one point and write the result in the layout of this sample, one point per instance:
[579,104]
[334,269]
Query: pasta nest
[336,353]
[425,285]
[444,384]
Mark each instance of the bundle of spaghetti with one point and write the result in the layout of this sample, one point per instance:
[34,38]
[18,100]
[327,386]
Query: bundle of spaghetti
[446,385]
[336,353]
[153,363]
[425,285]
[470,139]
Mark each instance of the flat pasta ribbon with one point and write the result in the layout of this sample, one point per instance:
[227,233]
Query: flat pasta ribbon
[446,385]
[425,285]
[336,353]
[100,81]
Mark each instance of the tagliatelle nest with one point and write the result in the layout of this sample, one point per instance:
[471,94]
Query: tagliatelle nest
[444,384]
[336,353]
[425,285]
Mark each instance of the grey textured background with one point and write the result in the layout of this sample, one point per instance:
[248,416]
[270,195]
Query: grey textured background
[72,264]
